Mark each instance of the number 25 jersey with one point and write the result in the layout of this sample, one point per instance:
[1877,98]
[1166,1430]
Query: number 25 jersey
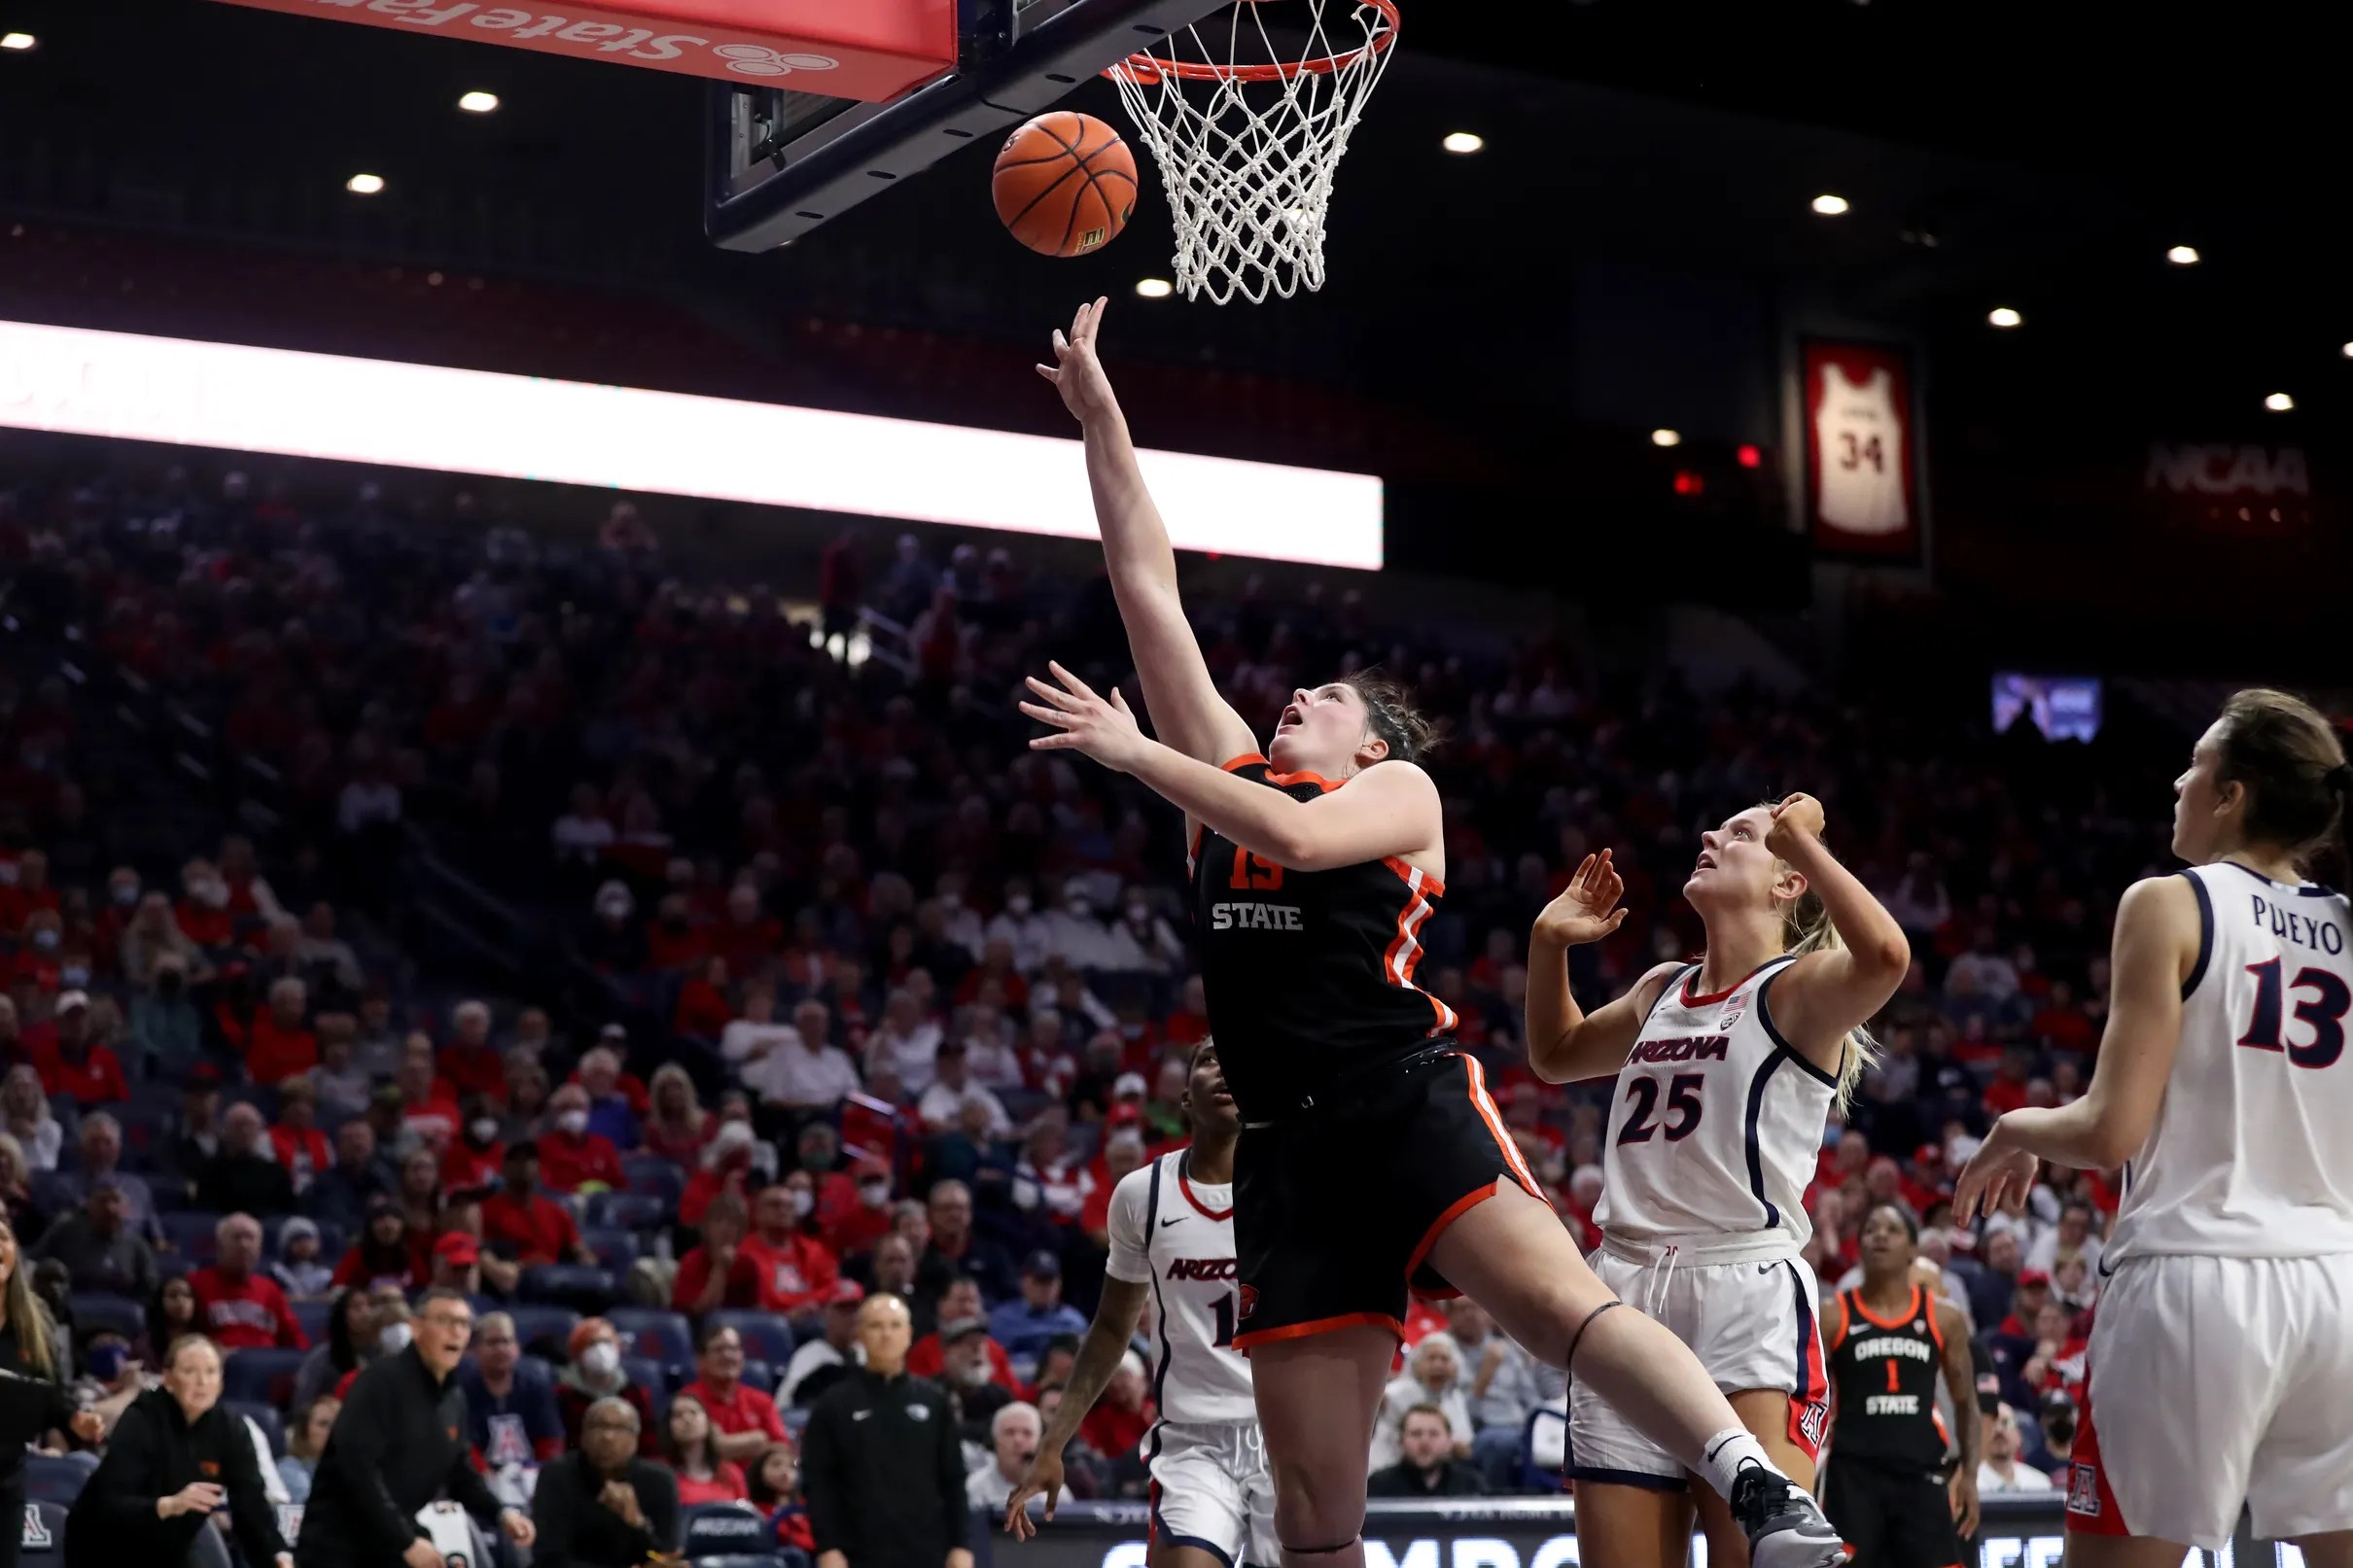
[1717,1127]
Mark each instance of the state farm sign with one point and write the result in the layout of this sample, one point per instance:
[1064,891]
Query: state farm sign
[873,50]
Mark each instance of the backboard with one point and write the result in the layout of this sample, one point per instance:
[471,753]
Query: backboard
[780,162]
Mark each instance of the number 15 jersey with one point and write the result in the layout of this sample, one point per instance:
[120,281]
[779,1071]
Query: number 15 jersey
[1717,1123]
[1177,1235]
[2252,1154]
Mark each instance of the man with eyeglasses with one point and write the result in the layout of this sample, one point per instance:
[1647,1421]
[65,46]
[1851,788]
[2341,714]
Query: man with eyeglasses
[400,1443]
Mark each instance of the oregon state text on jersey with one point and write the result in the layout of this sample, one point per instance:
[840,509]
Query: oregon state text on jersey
[1717,1123]
[1309,974]
[1884,1376]
[2249,1156]
[1177,1236]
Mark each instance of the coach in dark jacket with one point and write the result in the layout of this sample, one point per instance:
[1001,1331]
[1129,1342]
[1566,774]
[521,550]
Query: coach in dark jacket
[881,1464]
[604,1507]
[400,1443]
[174,1458]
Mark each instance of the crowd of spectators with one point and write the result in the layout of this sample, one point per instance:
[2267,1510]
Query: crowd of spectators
[878,1000]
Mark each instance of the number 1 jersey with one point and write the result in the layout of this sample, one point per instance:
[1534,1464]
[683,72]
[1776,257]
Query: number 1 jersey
[1717,1124]
[2252,1154]
[1175,1236]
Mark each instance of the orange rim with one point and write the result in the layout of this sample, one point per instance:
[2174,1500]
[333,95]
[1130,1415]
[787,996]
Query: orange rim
[1144,68]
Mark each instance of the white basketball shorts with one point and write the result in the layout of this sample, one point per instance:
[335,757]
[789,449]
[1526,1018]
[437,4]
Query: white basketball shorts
[1750,1322]
[2213,1381]
[1212,1489]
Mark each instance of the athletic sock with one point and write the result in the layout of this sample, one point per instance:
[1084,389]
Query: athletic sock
[1727,1453]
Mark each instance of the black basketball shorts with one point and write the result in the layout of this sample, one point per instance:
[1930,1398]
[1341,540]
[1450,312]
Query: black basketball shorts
[1891,1519]
[1336,1208]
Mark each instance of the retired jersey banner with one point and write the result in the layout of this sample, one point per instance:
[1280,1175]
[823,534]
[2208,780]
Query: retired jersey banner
[1862,495]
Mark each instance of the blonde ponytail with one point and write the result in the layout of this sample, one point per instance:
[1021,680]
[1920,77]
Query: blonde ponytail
[1806,927]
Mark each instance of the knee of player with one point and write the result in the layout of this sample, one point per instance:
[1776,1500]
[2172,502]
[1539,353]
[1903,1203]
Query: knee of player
[1314,1505]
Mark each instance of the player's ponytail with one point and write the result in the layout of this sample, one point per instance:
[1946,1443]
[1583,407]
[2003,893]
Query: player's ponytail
[1806,927]
[2299,787]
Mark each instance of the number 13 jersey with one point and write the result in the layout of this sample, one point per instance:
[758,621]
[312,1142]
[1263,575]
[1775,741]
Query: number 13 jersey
[2252,1154]
[1716,1128]
[1177,1235]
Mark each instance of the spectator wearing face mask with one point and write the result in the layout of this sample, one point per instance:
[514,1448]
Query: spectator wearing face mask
[595,1373]
[855,1214]
[573,1158]
[613,942]
[1020,927]
[475,1156]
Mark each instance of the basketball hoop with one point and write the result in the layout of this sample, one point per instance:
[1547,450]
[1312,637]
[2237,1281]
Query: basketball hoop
[1247,150]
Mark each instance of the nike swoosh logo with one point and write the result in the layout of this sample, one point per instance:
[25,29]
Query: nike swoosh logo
[1165,1224]
[1764,1267]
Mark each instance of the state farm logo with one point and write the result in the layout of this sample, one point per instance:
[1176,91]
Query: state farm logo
[758,59]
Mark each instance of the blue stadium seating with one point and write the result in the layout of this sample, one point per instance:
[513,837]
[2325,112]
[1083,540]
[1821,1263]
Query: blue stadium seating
[57,1477]
[550,1324]
[94,1310]
[44,1539]
[615,1248]
[191,1234]
[316,1318]
[649,1374]
[653,1176]
[629,1211]
[265,1417]
[565,1284]
[266,1376]
[664,1336]
[765,1335]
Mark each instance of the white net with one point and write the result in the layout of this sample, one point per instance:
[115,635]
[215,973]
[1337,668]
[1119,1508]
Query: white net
[1248,152]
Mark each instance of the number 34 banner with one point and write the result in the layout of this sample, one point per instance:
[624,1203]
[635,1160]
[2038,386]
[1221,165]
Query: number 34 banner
[1861,495]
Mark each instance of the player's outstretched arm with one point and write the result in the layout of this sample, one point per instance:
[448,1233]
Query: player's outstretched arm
[1828,992]
[1187,713]
[1116,1314]
[2157,931]
[1566,1043]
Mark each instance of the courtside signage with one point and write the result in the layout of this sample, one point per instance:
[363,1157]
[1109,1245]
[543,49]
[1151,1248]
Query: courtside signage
[238,399]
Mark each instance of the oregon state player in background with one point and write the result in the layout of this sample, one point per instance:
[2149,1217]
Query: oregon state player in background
[2221,1366]
[1727,1069]
[1172,1225]
[1886,1483]
[1371,1158]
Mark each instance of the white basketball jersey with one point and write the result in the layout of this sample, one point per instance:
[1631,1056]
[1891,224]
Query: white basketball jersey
[1861,483]
[1717,1123]
[2252,1154]
[1177,1236]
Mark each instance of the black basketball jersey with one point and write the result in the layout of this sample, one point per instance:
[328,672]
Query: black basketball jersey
[1309,974]
[1882,1378]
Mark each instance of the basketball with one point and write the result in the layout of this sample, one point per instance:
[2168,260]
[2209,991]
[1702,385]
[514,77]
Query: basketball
[1065,183]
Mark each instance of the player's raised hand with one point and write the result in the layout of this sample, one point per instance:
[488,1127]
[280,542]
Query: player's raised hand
[1800,815]
[1045,1475]
[1587,909]
[1103,728]
[1999,1176]
[1076,372]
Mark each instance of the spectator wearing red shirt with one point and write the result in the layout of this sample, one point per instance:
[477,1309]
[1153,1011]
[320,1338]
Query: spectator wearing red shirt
[204,909]
[2008,1090]
[853,1212]
[746,938]
[77,1066]
[927,1357]
[572,1158]
[718,1272]
[726,1173]
[1122,1416]
[279,1044]
[541,1231]
[675,940]
[2063,1024]
[470,1063]
[691,1448]
[29,892]
[384,1254]
[476,1156]
[745,1418]
[240,1308]
[429,1105]
[296,1141]
[703,1008]
[1926,1183]
[795,1270]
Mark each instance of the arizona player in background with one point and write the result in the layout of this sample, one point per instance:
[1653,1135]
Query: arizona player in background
[1371,1160]
[2223,1088]
[1886,1483]
[1172,1225]
[1727,1069]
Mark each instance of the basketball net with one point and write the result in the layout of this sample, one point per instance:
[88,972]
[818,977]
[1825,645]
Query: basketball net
[1248,152]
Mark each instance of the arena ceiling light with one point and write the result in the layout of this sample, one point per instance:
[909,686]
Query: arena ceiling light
[19,42]
[2003,316]
[1154,288]
[2184,256]
[480,103]
[2279,402]
[364,185]
[1463,141]
[1830,206]
[1667,438]
[2348,351]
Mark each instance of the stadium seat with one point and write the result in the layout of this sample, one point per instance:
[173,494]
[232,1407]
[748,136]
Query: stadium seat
[647,1374]
[759,1374]
[316,1318]
[57,1477]
[629,1211]
[723,1529]
[664,1336]
[266,1376]
[615,1248]
[44,1530]
[94,1310]
[265,1417]
[571,1285]
[191,1234]
[653,1176]
[765,1335]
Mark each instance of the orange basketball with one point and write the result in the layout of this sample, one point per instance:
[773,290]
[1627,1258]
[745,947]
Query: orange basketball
[1065,183]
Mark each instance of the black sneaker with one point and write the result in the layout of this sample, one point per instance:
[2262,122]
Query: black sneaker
[1785,1525]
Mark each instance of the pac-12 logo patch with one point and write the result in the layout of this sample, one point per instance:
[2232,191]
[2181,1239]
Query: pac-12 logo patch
[1732,1015]
[2084,1490]
[1250,1299]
